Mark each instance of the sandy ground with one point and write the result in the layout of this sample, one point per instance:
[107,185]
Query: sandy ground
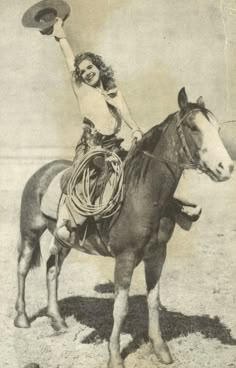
[198,291]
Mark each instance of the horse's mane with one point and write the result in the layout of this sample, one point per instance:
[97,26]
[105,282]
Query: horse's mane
[136,163]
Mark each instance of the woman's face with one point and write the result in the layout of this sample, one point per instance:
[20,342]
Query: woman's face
[89,73]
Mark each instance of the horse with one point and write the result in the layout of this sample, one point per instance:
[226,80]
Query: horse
[140,231]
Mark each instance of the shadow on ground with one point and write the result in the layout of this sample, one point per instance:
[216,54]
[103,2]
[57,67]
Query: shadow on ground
[96,313]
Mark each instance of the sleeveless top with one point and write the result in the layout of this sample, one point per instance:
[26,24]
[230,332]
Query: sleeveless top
[101,108]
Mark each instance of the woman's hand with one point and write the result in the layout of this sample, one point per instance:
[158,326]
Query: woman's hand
[58,31]
[136,135]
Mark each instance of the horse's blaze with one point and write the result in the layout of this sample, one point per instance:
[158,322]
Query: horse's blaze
[212,153]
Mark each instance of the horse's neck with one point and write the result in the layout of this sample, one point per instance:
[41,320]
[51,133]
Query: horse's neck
[169,149]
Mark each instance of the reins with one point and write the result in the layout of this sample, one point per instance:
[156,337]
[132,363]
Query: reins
[169,162]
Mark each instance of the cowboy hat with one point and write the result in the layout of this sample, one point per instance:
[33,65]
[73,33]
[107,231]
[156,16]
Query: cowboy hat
[43,14]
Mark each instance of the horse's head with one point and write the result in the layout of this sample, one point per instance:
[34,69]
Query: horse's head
[201,135]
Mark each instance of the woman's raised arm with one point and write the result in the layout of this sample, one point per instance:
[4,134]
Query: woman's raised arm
[60,36]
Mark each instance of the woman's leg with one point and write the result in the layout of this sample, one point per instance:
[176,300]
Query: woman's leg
[64,234]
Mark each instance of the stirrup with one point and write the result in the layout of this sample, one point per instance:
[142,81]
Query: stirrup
[62,242]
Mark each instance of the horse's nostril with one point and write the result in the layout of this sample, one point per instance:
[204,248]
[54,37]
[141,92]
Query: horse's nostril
[221,166]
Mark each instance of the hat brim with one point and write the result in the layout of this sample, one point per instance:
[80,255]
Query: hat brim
[43,14]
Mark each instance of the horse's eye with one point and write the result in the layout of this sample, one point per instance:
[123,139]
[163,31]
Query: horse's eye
[194,128]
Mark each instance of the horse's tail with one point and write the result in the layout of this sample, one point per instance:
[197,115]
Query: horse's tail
[32,222]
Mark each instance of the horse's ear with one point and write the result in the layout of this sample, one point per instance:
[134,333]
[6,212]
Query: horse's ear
[200,102]
[182,99]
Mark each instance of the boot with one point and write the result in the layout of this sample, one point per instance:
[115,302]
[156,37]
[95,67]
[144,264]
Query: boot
[189,210]
[192,213]
[64,236]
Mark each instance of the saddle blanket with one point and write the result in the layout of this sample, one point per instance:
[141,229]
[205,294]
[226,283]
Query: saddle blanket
[53,198]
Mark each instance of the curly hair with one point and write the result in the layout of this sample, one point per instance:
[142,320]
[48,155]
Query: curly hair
[106,72]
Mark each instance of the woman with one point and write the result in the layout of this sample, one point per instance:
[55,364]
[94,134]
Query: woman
[103,110]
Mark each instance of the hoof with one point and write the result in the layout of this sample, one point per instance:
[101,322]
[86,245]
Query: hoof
[21,321]
[58,324]
[163,353]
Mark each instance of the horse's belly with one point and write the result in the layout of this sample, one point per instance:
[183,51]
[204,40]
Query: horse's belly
[92,245]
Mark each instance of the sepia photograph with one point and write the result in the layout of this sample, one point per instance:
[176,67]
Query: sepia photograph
[118,184]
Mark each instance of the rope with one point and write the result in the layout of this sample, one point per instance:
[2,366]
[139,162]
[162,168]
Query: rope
[228,121]
[80,194]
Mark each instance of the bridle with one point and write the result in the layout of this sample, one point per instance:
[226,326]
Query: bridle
[192,164]
[180,132]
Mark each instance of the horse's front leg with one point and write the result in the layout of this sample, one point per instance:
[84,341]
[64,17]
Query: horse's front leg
[153,268]
[124,267]
[54,264]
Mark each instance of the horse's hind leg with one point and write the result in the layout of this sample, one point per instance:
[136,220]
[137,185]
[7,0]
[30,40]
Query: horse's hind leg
[54,265]
[29,257]
[124,267]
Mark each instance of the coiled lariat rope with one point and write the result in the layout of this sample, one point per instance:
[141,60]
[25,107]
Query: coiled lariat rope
[80,191]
